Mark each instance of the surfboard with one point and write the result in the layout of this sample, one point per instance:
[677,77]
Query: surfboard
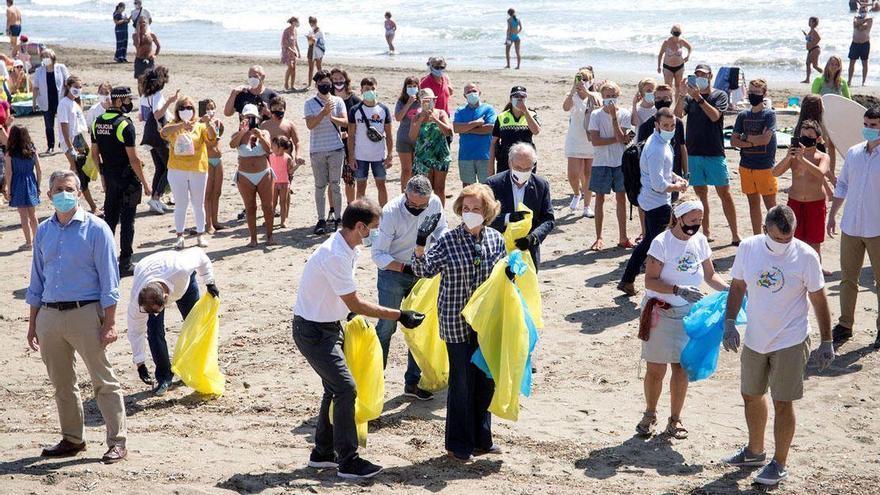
[842,119]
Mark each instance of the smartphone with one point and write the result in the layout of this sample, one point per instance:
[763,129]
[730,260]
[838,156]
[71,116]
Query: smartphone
[795,143]
[577,78]
[252,122]
[203,108]
[692,81]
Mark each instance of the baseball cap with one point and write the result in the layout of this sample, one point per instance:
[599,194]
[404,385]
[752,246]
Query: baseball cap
[518,90]
[427,94]
[703,68]
[250,110]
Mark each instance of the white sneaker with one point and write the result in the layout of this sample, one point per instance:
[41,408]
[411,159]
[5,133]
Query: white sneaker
[156,206]
[178,244]
[165,207]
[201,242]
[575,202]
[588,212]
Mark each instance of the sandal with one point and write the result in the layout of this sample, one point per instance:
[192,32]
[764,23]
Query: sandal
[675,429]
[645,428]
[626,245]
[639,239]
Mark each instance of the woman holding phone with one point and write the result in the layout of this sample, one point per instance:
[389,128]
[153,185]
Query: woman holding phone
[254,177]
[430,129]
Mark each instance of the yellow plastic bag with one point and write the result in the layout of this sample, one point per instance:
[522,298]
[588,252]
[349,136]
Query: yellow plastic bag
[363,355]
[528,282]
[90,169]
[495,312]
[424,342]
[195,355]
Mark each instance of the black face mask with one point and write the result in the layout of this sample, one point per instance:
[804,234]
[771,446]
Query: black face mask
[690,230]
[414,211]
[658,104]
[808,142]
[279,114]
[756,100]
[126,107]
[324,88]
[676,33]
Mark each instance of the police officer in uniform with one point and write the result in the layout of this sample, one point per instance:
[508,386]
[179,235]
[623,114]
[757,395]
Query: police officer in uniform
[113,149]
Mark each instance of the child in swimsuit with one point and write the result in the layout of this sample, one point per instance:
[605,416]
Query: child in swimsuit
[283,166]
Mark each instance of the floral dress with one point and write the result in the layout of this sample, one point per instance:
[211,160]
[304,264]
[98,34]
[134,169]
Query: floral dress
[432,150]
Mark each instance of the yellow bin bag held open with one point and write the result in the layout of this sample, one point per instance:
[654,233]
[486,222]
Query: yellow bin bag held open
[495,312]
[195,355]
[363,355]
[527,282]
[424,342]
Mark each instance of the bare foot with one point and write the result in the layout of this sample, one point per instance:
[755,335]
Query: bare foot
[270,242]
[827,273]
[598,245]
[209,230]
[253,243]
[218,226]
[625,244]
[282,225]
[805,81]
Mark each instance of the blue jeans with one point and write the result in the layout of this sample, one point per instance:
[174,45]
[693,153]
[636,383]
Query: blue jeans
[468,420]
[156,331]
[393,289]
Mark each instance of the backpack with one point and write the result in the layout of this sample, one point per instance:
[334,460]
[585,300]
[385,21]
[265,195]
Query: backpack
[632,173]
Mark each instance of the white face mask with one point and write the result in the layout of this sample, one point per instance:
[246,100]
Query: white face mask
[521,177]
[186,115]
[776,247]
[47,62]
[104,98]
[472,220]
[254,82]
[75,92]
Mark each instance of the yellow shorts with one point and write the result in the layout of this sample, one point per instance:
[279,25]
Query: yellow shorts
[757,181]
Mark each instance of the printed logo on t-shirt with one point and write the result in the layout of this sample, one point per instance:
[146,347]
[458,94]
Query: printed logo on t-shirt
[688,262]
[772,279]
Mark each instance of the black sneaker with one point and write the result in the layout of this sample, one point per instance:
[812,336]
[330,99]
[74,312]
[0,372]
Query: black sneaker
[417,393]
[358,469]
[161,389]
[320,227]
[841,334]
[877,340]
[320,461]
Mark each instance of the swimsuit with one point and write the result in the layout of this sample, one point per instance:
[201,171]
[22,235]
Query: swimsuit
[214,161]
[513,25]
[673,52]
[256,177]
[245,151]
[673,68]
[15,29]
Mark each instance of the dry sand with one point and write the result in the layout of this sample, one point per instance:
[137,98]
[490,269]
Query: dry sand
[575,434]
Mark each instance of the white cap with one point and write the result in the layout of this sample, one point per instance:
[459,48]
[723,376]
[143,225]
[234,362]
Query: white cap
[250,110]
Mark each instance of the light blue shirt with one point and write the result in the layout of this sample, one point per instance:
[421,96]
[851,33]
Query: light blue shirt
[655,166]
[74,262]
[398,230]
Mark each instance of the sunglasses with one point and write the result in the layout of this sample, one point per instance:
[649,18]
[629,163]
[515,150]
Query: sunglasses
[439,68]
[186,108]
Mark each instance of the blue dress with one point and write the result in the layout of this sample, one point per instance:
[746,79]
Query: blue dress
[24,183]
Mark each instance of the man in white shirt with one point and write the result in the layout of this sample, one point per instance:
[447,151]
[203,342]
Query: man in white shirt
[159,279]
[327,292]
[392,251]
[607,129]
[780,274]
[859,185]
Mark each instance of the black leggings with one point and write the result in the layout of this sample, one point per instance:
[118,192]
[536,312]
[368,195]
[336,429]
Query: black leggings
[160,161]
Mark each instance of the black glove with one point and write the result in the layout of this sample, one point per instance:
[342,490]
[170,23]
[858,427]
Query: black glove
[524,243]
[213,290]
[407,269]
[351,316]
[510,275]
[144,374]
[427,228]
[516,216]
[410,319]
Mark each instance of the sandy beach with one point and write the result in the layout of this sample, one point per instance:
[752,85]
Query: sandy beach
[576,432]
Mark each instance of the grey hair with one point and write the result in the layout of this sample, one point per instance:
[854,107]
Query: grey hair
[258,69]
[782,217]
[420,185]
[63,175]
[522,148]
[152,293]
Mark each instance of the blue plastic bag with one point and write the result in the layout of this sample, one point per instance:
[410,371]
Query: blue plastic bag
[704,325]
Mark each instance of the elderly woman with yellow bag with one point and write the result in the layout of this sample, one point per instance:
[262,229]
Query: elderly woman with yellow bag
[464,258]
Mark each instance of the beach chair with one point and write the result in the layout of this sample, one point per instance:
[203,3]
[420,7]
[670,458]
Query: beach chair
[732,80]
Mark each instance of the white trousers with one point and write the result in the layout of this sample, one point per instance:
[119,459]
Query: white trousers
[188,187]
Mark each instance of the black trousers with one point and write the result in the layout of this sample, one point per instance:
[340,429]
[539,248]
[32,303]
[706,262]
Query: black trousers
[120,206]
[156,331]
[160,161]
[121,43]
[468,421]
[656,221]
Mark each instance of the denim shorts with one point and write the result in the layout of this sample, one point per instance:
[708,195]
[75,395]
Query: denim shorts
[363,170]
[604,180]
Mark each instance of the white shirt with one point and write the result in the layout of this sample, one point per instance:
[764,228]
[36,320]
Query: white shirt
[682,263]
[172,268]
[94,112]
[150,104]
[859,184]
[609,155]
[70,113]
[777,289]
[655,166]
[398,229]
[518,192]
[378,116]
[644,113]
[328,274]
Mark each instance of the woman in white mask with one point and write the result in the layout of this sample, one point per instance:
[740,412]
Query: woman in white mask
[188,139]
[48,86]
[464,258]
[72,132]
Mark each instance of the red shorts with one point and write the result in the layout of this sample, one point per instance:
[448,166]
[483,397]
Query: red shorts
[810,217]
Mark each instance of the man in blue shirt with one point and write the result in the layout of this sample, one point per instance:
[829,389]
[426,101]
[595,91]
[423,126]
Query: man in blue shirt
[474,122]
[72,296]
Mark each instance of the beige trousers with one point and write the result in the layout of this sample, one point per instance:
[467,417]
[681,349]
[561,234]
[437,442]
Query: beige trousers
[61,334]
[852,256]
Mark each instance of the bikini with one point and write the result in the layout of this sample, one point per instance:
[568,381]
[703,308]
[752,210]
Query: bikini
[214,161]
[245,151]
[670,53]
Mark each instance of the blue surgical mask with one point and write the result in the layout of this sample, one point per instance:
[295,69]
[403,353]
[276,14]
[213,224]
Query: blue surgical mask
[649,98]
[473,98]
[702,83]
[667,135]
[436,72]
[514,102]
[870,134]
[411,91]
[369,95]
[64,201]
[609,101]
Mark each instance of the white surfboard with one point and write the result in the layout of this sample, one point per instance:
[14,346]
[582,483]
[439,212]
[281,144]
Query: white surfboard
[842,119]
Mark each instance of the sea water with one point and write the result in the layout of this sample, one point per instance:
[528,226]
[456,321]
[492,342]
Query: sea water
[762,37]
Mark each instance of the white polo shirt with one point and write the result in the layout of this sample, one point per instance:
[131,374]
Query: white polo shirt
[328,274]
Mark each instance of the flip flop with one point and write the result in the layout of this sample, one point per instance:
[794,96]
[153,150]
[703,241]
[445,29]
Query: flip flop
[626,245]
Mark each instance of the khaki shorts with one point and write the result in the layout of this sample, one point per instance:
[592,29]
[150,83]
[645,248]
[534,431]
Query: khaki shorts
[782,370]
